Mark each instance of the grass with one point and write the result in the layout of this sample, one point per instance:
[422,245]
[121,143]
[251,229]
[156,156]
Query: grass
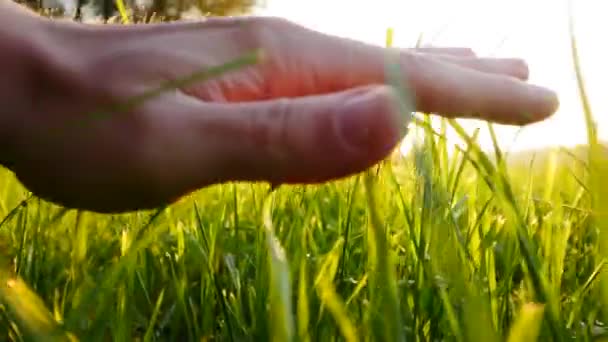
[424,248]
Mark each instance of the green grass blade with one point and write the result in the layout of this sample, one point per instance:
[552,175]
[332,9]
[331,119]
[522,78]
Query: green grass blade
[281,314]
[303,304]
[25,308]
[122,9]
[328,295]
[386,320]
[527,325]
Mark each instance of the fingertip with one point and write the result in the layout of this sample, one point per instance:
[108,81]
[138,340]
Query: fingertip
[521,69]
[541,104]
[550,104]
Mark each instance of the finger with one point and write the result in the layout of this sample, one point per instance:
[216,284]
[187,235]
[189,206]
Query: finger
[513,67]
[302,140]
[454,91]
[320,64]
[446,51]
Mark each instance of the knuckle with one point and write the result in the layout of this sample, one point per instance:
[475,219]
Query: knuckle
[269,130]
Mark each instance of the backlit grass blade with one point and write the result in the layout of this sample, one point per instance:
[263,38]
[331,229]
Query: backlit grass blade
[389,37]
[581,292]
[153,320]
[26,309]
[528,323]
[328,295]
[15,210]
[497,151]
[386,315]
[347,222]
[361,284]
[281,314]
[122,9]
[303,314]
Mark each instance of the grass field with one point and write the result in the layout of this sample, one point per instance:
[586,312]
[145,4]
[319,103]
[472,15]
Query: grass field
[425,248]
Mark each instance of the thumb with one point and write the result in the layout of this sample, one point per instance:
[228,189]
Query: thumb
[308,139]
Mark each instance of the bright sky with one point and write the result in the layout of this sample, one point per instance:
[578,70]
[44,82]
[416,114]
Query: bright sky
[534,30]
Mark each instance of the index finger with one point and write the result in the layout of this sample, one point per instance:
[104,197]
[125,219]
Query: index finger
[310,62]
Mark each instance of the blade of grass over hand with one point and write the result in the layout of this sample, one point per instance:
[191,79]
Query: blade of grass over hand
[405,97]
[394,78]
[247,59]
[207,73]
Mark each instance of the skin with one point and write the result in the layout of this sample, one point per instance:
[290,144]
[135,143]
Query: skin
[316,108]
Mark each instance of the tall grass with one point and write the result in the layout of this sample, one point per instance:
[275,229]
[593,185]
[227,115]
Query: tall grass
[428,247]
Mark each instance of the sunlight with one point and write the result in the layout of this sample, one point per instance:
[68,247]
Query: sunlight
[536,31]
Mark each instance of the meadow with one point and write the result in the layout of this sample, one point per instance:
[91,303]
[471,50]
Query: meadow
[431,246]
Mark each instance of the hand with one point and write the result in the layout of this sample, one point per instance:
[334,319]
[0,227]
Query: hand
[314,109]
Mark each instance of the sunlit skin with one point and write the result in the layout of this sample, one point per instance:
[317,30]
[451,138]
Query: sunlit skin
[316,108]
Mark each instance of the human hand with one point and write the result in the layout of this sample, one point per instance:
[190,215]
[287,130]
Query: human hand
[314,109]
